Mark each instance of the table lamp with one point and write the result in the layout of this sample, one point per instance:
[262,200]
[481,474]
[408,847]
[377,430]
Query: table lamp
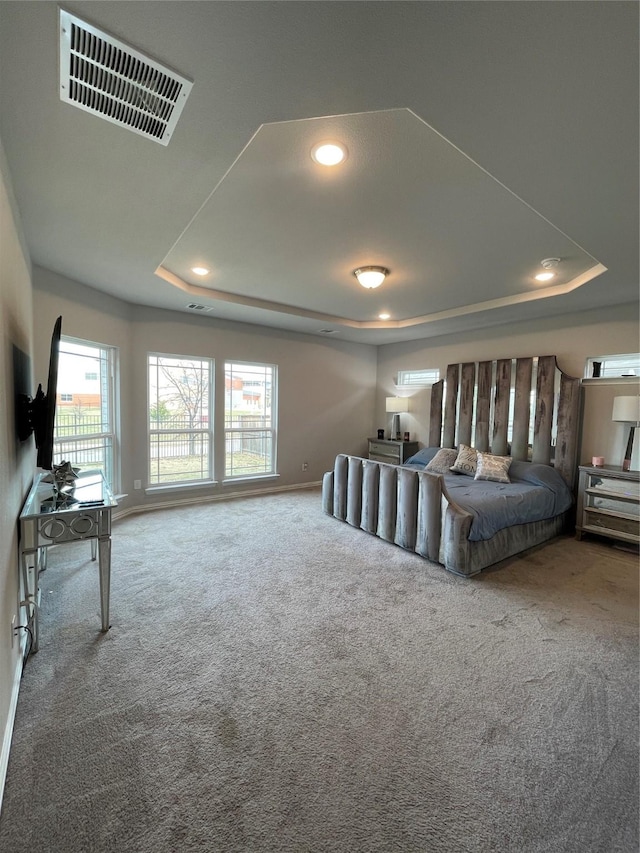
[626,410]
[396,405]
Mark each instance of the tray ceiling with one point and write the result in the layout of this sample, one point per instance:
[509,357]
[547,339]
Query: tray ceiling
[482,138]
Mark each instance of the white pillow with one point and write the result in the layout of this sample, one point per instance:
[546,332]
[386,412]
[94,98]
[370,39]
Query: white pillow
[493,468]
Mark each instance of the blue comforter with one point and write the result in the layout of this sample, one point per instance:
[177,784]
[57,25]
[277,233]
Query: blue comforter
[536,492]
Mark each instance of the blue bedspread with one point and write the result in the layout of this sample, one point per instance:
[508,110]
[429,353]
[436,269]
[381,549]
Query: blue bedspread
[536,492]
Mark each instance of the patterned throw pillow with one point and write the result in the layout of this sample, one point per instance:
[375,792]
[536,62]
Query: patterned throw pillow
[442,461]
[466,461]
[493,468]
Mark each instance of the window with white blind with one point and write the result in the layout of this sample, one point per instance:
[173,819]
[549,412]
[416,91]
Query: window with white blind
[250,405]
[422,378]
[180,419]
[613,366]
[85,425]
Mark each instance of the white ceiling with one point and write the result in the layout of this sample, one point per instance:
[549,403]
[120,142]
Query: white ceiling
[482,137]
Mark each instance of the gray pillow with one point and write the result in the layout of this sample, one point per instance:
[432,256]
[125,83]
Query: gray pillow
[466,461]
[442,461]
[493,468]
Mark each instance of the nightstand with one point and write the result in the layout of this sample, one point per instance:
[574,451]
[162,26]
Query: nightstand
[389,450]
[609,503]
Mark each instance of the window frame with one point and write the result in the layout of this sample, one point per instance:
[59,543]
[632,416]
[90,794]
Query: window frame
[272,430]
[209,430]
[421,377]
[110,384]
[632,358]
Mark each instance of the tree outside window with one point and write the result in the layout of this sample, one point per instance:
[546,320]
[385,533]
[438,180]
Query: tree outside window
[180,433]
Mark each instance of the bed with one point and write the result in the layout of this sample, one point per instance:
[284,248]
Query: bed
[517,421]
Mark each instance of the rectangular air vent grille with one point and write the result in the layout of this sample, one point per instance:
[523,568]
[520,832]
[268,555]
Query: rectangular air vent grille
[106,77]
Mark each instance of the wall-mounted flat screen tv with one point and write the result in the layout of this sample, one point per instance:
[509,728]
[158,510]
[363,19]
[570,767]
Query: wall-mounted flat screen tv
[38,415]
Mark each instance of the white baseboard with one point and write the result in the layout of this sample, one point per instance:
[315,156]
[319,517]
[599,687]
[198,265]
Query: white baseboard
[201,499]
[11,716]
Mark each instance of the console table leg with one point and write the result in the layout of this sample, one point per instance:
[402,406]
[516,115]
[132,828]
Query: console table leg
[104,562]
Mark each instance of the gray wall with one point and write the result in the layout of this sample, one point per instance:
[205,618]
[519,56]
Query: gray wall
[326,388]
[572,338]
[17,461]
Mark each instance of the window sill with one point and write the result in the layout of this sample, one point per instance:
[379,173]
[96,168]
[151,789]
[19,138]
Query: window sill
[611,380]
[173,487]
[250,478]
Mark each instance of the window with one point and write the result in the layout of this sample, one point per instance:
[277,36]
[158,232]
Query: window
[85,427]
[613,366]
[418,378]
[180,422]
[250,403]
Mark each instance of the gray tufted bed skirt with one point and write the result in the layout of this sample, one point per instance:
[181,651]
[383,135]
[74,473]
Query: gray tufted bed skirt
[413,510]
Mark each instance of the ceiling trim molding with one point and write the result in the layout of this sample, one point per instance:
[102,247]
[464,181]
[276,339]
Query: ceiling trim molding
[460,311]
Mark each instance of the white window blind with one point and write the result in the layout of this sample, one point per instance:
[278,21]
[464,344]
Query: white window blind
[422,378]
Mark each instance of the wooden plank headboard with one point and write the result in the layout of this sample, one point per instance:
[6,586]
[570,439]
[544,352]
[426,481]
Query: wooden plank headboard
[489,405]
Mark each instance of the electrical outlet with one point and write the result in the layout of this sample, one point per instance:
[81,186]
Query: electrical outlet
[305,466]
[137,484]
[13,629]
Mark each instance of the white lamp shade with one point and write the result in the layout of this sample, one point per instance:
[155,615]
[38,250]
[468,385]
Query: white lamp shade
[626,410]
[397,404]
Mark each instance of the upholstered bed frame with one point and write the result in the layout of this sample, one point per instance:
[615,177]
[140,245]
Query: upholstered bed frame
[413,509]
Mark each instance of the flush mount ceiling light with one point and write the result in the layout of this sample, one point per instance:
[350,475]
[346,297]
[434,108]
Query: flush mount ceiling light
[548,264]
[328,153]
[384,316]
[371,277]
[200,270]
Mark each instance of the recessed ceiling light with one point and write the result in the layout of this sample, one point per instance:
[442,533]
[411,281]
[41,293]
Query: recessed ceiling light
[200,270]
[371,277]
[548,264]
[328,153]
[384,316]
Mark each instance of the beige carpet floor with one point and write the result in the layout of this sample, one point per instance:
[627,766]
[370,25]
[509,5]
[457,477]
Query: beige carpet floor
[275,680]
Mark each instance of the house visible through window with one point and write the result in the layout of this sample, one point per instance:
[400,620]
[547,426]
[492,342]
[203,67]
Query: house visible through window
[85,426]
[250,403]
[180,419]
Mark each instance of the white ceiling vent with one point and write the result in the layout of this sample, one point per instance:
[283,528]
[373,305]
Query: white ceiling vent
[106,77]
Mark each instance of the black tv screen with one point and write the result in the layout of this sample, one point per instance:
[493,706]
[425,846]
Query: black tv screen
[39,415]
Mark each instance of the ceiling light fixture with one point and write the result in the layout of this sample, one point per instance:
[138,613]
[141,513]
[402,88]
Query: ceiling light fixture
[548,264]
[371,277]
[384,316]
[328,153]
[200,270]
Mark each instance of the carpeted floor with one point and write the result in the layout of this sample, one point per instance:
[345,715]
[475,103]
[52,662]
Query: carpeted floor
[275,680]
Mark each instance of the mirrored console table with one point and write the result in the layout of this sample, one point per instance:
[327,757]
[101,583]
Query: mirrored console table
[51,517]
